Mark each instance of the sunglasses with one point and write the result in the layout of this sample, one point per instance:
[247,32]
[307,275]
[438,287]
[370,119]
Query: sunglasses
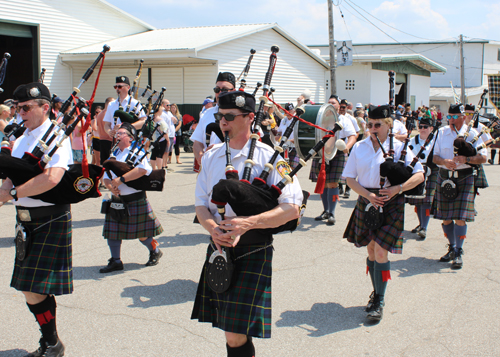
[423,126]
[221,90]
[27,107]
[455,116]
[228,117]
[376,125]
[118,87]
[469,114]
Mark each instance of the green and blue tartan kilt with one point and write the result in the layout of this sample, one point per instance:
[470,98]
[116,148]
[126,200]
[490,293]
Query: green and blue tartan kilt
[141,223]
[430,191]
[480,179]
[461,208]
[48,268]
[245,308]
[389,236]
[293,158]
[333,170]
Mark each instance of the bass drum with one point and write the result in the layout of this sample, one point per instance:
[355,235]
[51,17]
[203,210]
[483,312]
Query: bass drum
[306,136]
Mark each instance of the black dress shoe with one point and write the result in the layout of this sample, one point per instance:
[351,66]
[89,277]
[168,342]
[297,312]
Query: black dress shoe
[154,258]
[341,189]
[490,161]
[113,265]
[448,256]
[322,216]
[46,350]
[457,261]
[422,234]
[331,220]
[416,229]
[347,194]
[369,306]
[377,311]
[40,351]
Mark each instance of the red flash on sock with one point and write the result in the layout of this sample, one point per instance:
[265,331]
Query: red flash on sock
[386,275]
[367,269]
[44,318]
[335,198]
[154,244]
[462,237]
[427,212]
[416,209]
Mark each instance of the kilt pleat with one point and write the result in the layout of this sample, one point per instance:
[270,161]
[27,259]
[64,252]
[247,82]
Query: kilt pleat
[430,191]
[48,268]
[293,158]
[461,208]
[480,180]
[141,223]
[389,236]
[246,307]
[333,170]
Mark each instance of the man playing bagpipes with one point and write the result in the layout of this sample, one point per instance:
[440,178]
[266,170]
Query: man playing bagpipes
[129,215]
[454,201]
[124,104]
[43,268]
[244,309]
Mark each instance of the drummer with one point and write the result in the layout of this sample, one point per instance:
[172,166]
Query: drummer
[290,153]
[423,205]
[333,168]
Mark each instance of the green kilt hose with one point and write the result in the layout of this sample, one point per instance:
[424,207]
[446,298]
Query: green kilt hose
[461,208]
[141,223]
[430,191]
[48,268]
[245,308]
[333,169]
[389,236]
[480,179]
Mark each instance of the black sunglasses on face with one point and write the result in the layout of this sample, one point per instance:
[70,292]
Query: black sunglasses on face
[223,90]
[118,87]
[423,126]
[376,125]
[228,117]
[26,107]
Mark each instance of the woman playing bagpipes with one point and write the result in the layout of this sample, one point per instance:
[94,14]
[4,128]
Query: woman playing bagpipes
[129,215]
[378,218]
[244,309]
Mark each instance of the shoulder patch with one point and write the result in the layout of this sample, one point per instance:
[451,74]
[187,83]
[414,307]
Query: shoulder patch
[283,168]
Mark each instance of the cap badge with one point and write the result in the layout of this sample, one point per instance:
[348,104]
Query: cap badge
[122,78]
[34,92]
[462,109]
[240,101]
[385,112]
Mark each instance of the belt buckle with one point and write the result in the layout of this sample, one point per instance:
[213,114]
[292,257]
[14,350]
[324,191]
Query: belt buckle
[24,215]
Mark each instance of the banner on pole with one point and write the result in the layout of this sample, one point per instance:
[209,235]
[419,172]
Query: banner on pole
[344,53]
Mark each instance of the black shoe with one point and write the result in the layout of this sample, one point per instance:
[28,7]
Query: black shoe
[331,220]
[369,306]
[422,234]
[448,256]
[322,216]
[154,258]
[46,350]
[416,229]
[457,261]
[113,265]
[341,189]
[377,311]
[490,161]
[347,194]
[40,351]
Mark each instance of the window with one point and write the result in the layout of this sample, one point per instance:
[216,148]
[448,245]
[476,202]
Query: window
[349,84]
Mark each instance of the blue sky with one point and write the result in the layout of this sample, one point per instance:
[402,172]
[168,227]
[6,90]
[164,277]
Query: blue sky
[307,20]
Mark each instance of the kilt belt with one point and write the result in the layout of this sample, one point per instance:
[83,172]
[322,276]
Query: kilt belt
[28,214]
[457,174]
[133,197]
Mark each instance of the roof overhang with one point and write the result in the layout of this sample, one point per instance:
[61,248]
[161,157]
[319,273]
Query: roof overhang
[446,93]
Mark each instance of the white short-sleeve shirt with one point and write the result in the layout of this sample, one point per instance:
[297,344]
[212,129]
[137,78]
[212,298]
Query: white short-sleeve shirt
[114,106]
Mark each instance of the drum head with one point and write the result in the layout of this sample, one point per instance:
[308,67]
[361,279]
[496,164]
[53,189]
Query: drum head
[306,136]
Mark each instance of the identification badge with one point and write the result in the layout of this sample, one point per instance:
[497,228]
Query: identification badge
[283,168]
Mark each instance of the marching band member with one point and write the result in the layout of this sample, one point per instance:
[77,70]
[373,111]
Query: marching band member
[132,217]
[455,212]
[244,310]
[330,194]
[343,112]
[46,269]
[293,158]
[423,205]
[362,173]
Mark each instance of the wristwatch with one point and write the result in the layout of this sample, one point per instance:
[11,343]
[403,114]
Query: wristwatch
[467,160]
[400,189]
[122,179]
[13,193]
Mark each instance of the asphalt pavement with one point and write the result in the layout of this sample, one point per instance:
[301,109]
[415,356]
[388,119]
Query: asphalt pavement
[319,288]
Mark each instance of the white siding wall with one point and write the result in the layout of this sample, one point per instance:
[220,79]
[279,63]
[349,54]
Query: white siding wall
[491,62]
[419,87]
[65,25]
[199,83]
[379,87]
[170,78]
[360,73]
[295,71]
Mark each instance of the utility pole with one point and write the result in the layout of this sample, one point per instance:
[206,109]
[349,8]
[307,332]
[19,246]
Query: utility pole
[333,82]
[462,71]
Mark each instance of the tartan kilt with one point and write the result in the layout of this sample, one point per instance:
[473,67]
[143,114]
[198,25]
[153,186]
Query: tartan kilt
[430,191]
[245,308]
[461,208]
[333,170]
[293,158]
[142,223]
[48,268]
[389,236]
[480,180]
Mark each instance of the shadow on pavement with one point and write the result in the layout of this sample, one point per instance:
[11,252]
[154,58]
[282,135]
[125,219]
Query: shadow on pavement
[418,265]
[88,223]
[172,292]
[85,273]
[182,240]
[13,353]
[180,209]
[324,319]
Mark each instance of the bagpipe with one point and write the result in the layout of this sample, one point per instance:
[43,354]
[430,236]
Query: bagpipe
[125,114]
[244,73]
[3,68]
[79,181]
[155,180]
[461,146]
[250,198]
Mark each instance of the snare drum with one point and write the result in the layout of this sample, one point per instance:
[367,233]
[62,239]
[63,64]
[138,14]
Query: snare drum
[306,136]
